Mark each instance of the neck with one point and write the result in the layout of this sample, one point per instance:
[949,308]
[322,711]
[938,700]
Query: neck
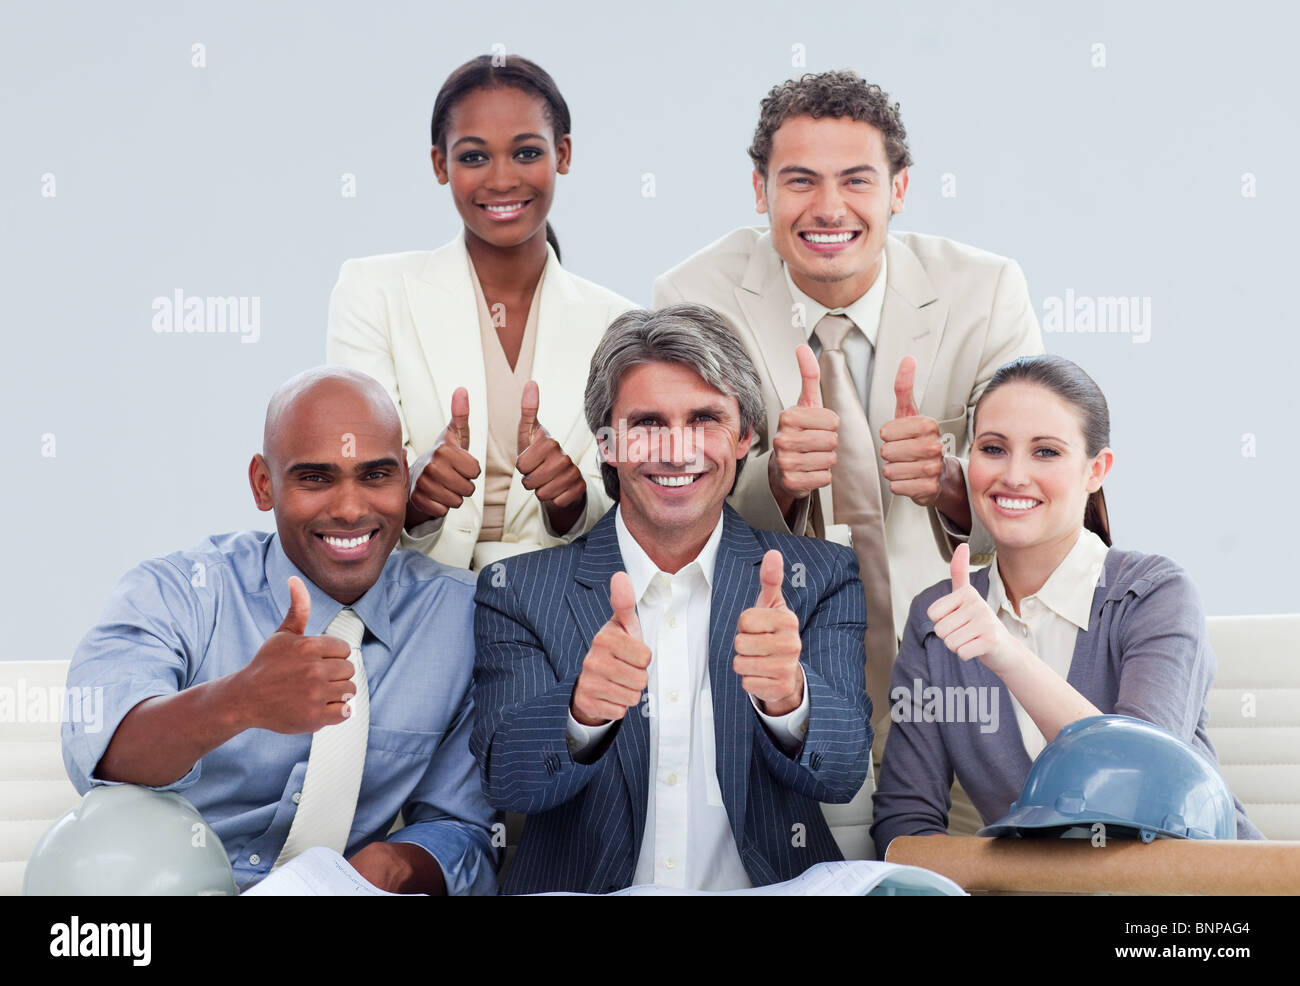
[837,294]
[672,549]
[507,270]
[1025,570]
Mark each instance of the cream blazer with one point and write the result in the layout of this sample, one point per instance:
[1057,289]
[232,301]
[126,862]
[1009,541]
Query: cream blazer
[962,312]
[410,320]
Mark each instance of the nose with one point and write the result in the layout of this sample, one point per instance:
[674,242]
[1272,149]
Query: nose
[348,505]
[1017,470]
[828,206]
[502,175]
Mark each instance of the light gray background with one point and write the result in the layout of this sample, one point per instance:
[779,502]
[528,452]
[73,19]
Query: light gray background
[225,180]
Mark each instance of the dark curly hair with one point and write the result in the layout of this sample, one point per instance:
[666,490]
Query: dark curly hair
[842,93]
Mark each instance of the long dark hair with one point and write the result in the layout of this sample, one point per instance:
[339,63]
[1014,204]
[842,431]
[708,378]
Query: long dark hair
[497,72]
[1068,381]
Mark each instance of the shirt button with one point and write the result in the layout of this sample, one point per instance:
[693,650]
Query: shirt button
[254,859]
[1024,631]
[672,622]
[672,696]
[297,797]
[672,779]
[670,863]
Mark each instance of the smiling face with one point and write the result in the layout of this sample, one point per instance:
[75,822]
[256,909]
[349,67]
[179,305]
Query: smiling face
[334,472]
[829,196]
[682,439]
[1030,474]
[501,160]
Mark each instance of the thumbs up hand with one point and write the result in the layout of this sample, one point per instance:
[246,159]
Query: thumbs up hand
[768,644]
[547,470]
[966,623]
[803,449]
[910,445]
[296,683]
[613,672]
[444,477]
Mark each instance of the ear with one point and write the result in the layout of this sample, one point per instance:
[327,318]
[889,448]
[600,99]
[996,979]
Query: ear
[760,194]
[259,478]
[564,155]
[439,160]
[1099,469]
[606,441]
[742,446]
[899,190]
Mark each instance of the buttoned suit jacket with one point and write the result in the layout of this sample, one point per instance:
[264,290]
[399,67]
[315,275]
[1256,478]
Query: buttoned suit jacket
[960,311]
[411,321]
[535,618]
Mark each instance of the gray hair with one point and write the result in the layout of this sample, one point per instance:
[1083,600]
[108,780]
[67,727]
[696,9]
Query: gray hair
[691,335]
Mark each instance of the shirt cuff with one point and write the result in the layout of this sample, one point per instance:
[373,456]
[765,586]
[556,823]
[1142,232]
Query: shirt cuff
[787,731]
[583,740]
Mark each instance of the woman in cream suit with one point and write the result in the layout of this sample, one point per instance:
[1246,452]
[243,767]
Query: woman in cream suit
[484,344]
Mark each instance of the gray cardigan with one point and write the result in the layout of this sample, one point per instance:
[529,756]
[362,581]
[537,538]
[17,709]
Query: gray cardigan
[1145,654]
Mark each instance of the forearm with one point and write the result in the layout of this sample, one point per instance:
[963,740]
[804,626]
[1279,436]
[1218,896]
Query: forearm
[1051,701]
[953,501]
[400,868]
[160,740]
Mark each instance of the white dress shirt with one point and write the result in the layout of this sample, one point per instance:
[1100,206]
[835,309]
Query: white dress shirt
[859,344]
[1052,617]
[688,842]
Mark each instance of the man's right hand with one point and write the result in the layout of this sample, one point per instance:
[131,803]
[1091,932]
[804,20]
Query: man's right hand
[803,450]
[446,478]
[614,671]
[296,683]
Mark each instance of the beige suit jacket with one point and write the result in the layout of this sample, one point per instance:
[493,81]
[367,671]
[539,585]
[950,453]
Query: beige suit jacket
[410,320]
[960,311]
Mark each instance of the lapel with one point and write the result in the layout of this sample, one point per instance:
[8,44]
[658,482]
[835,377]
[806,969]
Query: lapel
[769,318]
[568,328]
[735,587]
[588,599]
[445,316]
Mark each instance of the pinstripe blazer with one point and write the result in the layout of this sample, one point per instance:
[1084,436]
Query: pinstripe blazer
[535,617]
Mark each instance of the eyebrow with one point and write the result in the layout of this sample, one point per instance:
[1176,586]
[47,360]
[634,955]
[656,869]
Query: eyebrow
[797,169]
[332,469]
[1036,438]
[482,142]
[719,410]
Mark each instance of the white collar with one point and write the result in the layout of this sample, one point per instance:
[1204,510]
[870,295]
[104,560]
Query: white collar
[642,570]
[865,311]
[1068,591]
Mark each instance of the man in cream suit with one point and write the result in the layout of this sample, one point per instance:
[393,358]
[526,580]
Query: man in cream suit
[830,169]
[409,321]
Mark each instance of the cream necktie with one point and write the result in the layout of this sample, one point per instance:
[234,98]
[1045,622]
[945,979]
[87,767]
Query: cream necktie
[338,754]
[856,501]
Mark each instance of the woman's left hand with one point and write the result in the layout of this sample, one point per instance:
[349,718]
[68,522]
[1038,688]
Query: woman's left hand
[547,470]
[966,623]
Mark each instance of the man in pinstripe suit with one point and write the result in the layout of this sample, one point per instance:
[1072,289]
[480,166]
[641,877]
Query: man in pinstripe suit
[670,696]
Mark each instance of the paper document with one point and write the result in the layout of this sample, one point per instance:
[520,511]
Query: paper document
[318,872]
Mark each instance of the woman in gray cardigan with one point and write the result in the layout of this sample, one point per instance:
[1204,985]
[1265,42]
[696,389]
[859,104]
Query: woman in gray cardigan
[1062,626]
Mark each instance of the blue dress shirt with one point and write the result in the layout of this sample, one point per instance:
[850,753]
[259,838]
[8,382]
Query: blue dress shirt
[198,615]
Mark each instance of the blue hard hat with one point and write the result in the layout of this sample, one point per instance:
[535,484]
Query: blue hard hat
[1126,773]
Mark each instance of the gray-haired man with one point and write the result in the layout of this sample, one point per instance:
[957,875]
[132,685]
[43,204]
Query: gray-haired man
[670,696]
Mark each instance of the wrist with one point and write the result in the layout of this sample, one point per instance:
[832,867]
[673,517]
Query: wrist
[784,498]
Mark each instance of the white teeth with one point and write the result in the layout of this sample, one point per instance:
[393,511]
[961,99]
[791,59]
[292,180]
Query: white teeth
[828,237]
[512,207]
[1007,503]
[676,480]
[346,542]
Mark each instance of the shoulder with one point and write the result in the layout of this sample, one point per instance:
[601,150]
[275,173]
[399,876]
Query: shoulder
[940,255]
[415,571]
[590,293]
[546,570]
[386,266]
[1137,574]
[238,558]
[723,261]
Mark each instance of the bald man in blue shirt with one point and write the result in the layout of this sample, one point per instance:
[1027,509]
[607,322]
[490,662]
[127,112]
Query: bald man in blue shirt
[216,669]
